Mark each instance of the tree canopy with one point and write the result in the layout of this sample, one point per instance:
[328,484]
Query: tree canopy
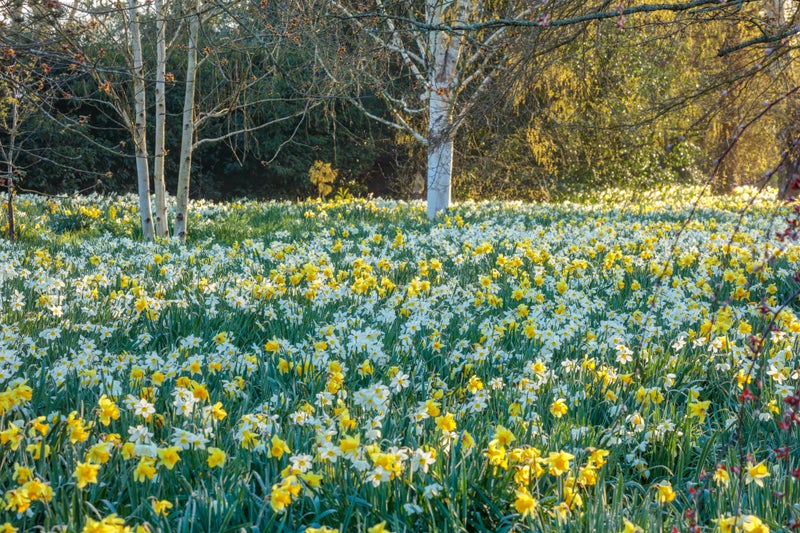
[511,99]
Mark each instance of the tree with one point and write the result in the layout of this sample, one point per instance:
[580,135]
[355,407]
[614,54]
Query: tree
[782,17]
[160,151]
[12,117]
[446,53]
[31,81]
[139,125]
[91,45]
[240,55]
[188,124]
[123,70]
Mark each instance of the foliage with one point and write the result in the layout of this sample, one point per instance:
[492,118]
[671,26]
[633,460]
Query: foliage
[626,102]
[322,176]
[631,105]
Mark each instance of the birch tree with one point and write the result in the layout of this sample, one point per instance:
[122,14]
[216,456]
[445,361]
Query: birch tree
[159,152]
[448,53]
[239,79]
[188,123]
[118,70]
[10,120]
[139,126]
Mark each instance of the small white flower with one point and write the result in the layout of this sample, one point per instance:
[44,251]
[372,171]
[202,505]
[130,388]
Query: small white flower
[431,491]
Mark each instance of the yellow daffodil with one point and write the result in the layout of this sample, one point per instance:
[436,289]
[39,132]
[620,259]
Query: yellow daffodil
[86,473]
[756,474]
[107,410]
[525,504]
[699,409]
[100,453]
[162,507]
[109,524]
[446,422]
[378,528]
[169,456]
[721,477]
[321,529]
[753,524]
[22,474]
[278,447]
[216,458]
[726,524]
[503,436]
[630,527]
[558,462]
[558,408]
[349,445]
[665,493]
[145,470]
[280,498]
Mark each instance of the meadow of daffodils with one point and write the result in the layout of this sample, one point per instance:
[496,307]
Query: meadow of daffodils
[623,363]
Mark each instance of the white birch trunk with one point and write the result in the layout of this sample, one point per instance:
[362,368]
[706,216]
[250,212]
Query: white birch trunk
[445,50]
[140,124]
[184,171]
[162,224]
[440,155]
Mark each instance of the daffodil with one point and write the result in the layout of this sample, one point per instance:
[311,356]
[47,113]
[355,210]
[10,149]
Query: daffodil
[699,409]
[107,410]
[559,462]
[169,456]
[379,528]
[278,447]
[446,422]
[162,507]
[721,477]
[85,474]
[145,470]
[753,524]
[558,408]
[756,474]
[321,529]
[280,498]
[216,458]
[726,524]
[503,436]
[525,503]
[664,492]
[630,527]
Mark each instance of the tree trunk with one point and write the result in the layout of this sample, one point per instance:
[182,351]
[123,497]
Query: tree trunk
[440,156]
[9,157]
[162,223]
[12,230]
[789,185]
[789,131]
[140,124]
[445,51]
[727,149]
[184,171]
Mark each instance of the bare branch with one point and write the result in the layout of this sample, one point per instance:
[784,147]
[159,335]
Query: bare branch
[764,39]
[241,131]
[543,22]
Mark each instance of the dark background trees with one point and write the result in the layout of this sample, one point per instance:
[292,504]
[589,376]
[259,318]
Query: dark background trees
[626,101]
